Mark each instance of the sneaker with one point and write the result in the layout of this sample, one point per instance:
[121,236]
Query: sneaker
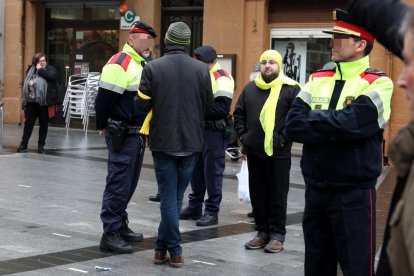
[188,215]
[160,258]
[22,148]
[207,220]
[176,261]
[274,246]
[256,243]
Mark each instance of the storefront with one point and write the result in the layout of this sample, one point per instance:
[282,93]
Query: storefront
[81,39]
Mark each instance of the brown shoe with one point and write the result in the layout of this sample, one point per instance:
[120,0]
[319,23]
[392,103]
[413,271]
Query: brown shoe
[176,261]
[160,258]
[273,246]
[256,243]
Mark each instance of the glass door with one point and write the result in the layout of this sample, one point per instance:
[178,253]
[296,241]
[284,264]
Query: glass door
[80,40]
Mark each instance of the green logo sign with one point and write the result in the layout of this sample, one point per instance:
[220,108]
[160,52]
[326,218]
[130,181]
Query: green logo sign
[129,16]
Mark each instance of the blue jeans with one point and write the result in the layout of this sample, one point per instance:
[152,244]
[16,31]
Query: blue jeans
[173,174]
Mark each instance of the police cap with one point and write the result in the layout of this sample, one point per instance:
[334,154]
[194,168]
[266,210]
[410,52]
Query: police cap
[140,27]
[344,24]
[205,53]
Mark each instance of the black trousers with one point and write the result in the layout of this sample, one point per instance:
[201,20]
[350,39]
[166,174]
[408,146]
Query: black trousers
[269,187]
[339,226]
[32,112]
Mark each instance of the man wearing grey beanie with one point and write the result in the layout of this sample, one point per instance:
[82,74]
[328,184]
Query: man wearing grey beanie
[178,90]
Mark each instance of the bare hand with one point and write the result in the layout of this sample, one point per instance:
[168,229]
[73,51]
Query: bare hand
[102,132]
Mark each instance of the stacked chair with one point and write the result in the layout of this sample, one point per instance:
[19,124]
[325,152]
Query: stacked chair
[79,102]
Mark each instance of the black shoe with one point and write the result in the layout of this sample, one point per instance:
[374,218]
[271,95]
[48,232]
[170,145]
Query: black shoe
[41,150]
[207,220]
[113,242]
[250,214]
[22,148]
[155,198]
[128,235]
[188,215]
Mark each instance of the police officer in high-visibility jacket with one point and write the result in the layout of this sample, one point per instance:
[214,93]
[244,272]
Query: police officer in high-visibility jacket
[119,117]
[208,172]
[339,116]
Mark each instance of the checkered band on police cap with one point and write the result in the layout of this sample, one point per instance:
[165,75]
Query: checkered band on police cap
[178,33]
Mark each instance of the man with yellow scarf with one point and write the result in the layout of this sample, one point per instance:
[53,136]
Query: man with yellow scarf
[259,118]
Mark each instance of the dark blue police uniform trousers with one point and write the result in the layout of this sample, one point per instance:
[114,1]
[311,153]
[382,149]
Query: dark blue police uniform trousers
[124,168]
[208,174]
[339,226]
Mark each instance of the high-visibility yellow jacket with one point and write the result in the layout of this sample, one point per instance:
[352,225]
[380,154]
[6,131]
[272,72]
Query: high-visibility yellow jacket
[339,117]
[117,94]
[222,84]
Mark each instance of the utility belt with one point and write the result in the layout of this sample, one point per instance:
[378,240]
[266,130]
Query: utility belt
[118,130]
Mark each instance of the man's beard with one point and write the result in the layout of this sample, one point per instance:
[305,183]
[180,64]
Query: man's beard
[269,78]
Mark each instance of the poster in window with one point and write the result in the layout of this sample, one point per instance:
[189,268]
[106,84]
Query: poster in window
[293,57]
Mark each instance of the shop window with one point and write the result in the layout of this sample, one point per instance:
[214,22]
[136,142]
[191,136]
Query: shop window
[303,51]
[82,13]
[103,13]
[67,13]
[80,39]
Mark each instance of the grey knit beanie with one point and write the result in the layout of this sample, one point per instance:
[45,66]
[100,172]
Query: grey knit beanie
[178,33]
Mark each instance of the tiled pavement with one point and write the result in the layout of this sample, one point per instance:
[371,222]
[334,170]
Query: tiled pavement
[50,204]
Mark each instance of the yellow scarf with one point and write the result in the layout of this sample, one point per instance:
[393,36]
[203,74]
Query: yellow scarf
[146,125]
[268,112]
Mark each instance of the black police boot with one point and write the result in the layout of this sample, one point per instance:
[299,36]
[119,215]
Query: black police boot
[155,198]
[130,236]
[113,242]
[186,214]
[22,148]
[207,220]
[41,149]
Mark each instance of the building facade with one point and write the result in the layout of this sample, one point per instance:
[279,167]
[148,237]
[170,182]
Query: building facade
[80,36]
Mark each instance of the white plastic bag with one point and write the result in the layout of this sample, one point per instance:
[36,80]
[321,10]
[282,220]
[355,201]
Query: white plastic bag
[243,177]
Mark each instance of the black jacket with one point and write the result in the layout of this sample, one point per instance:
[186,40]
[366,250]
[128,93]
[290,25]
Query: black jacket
[247,120]
[383,19]
[180,91]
